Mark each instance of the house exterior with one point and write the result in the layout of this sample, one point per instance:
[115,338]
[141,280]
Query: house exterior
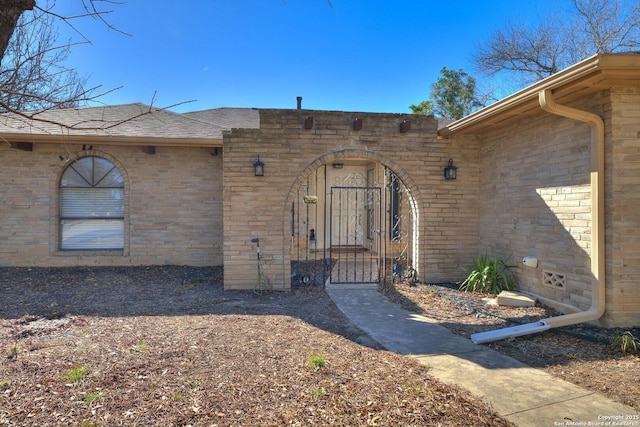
[344,196]
[169,177]
[562,185]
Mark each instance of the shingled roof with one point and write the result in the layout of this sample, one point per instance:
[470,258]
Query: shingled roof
[126,124]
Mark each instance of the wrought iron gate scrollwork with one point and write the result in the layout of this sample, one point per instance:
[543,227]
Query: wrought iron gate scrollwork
[348,228]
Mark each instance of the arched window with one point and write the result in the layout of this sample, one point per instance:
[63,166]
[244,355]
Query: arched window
[91,206]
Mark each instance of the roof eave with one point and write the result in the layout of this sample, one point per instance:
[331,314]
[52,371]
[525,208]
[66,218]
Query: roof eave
[112,140]
[527,97]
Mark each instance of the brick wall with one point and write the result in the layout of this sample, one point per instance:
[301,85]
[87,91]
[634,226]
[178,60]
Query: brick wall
[523,190]
[259,206]
[622,208]
[537,202]
[173,202]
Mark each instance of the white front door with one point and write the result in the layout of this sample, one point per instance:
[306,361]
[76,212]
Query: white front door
[348,213]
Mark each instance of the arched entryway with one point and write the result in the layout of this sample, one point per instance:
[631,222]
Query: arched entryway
[351,217]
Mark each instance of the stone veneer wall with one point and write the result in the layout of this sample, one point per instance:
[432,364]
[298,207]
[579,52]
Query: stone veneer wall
[259,206]
[173,202]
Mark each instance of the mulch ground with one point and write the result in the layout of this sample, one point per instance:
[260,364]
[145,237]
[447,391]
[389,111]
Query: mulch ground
[166,346]
[581,354]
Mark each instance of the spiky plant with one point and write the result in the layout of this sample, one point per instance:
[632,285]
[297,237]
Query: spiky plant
[488,275]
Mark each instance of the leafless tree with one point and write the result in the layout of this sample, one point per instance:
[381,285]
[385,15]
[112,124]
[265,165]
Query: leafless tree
[12,10]
[33,78]
[32,72]
[530,53]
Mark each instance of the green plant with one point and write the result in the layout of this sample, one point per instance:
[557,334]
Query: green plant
[317,360]
[489,275]
[141,347]
[317,392]
[92,397]
[77,374]
[626,342]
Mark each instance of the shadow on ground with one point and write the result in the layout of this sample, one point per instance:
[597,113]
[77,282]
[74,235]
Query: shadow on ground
[468,313]
[159,291]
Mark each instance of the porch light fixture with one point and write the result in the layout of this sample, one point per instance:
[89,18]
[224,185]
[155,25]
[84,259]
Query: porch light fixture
[258,167]
[357,124]
[405,126]
[450,171]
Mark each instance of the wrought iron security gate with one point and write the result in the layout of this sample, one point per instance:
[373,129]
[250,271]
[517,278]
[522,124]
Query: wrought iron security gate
[357,228]
[401,248]
[354,234]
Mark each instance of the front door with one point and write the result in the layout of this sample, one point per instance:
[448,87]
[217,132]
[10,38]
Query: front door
[347,217]
[347,212]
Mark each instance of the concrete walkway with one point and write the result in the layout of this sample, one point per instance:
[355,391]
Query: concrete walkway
[523,395]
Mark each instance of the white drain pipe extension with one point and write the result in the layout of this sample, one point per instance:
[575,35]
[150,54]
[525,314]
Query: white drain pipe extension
[545,98]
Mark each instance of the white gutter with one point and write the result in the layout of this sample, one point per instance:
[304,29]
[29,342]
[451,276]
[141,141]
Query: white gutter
[545,99]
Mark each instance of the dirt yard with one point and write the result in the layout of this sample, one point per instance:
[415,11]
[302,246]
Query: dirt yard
[581,354]
[168,347]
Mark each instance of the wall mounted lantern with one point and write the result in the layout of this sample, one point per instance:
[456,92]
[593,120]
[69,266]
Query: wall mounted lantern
[405,126]
[450,171]
[357,124]
[258,167]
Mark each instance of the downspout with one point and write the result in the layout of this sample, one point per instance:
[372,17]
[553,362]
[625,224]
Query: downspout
[545,98]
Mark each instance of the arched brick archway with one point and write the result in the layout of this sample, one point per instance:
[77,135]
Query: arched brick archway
[297,232]
[261,207]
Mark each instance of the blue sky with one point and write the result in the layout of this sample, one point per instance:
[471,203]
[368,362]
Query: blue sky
[360,55]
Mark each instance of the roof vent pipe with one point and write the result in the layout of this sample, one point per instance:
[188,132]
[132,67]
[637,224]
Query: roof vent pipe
[299,99]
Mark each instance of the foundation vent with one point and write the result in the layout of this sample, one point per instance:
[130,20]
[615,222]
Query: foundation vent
[555,280]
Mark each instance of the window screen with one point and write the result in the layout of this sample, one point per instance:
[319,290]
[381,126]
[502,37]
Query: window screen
[91,205]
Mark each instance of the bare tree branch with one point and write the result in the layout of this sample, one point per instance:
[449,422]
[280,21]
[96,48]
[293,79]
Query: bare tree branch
[91,11]
[32,73]
[33,78]
[532,53]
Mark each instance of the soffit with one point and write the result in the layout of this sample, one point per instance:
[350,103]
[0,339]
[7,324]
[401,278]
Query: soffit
[582,80]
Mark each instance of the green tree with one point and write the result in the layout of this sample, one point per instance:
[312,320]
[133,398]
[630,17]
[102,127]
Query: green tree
[425,108]
[453,96]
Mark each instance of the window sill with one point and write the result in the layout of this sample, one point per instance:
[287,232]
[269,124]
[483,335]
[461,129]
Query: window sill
[97,252]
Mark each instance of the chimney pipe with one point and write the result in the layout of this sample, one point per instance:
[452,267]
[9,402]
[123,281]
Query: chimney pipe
[299,98]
